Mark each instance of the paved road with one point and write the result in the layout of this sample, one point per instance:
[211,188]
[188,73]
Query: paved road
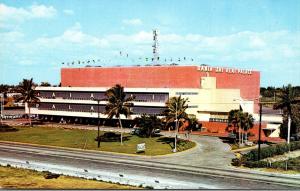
[210,152]
[133,170]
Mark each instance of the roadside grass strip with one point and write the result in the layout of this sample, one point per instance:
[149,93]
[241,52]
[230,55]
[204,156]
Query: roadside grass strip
[18,178]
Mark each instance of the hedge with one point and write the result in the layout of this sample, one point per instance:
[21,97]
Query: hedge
[271,151]
[250,159]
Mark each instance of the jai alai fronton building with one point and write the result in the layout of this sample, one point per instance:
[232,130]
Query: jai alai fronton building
[212,91]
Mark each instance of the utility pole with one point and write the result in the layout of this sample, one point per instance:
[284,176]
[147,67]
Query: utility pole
[98,123]
[98,101]
[1,108]
[259,129]
[176,120]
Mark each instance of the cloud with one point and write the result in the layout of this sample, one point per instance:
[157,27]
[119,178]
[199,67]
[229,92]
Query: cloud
[132,22]
[264,51]
[71,37]
[9,15]
[68,12]
[251,47]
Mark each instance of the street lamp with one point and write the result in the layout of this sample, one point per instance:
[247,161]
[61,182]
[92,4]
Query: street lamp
[259,129]
[98,123]
[1,108]
[176,127]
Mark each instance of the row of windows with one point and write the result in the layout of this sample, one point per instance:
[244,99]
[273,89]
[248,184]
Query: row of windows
[186,93]
[218,120]
[141,97]
[94,108]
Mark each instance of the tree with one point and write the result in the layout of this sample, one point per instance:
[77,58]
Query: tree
[28,95]
[242,121]
[234,117]
[247,123]
[148,123]
[118,104]
[176,106]
[46,84]
[287,100]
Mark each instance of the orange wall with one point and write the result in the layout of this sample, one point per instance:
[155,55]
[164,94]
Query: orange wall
[134,77]
[160,77]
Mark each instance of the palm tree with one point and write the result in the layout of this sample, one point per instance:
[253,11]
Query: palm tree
[28,95]
[118,104]
[287,98]
[234,117]
[241,120]
[246,123]
[175,111]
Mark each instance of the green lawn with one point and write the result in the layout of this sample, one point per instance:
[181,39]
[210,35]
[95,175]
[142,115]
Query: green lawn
[84,139]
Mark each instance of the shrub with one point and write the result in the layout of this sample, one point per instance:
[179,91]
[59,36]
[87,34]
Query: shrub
[7,128]
[184,144]
[271,151]
[256,164]
[236,162]
[294,145]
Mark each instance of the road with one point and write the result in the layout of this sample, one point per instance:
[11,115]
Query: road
[134,170]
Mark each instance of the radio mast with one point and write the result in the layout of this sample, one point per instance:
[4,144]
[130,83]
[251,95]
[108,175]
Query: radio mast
[155,47]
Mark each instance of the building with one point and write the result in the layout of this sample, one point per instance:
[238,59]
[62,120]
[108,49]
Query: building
[212,91]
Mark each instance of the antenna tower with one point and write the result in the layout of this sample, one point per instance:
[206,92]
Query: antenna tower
[155,47]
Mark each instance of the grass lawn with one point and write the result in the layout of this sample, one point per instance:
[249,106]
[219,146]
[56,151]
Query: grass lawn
[16,178]
[85,139]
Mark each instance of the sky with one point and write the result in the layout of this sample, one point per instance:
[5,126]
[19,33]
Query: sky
[38,38]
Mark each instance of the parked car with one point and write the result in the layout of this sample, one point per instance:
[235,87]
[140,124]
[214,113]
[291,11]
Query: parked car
[295,137]
[138,131]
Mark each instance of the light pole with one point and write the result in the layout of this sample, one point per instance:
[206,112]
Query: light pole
[98,122]
[176,124]
[259,130]
[1,108]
